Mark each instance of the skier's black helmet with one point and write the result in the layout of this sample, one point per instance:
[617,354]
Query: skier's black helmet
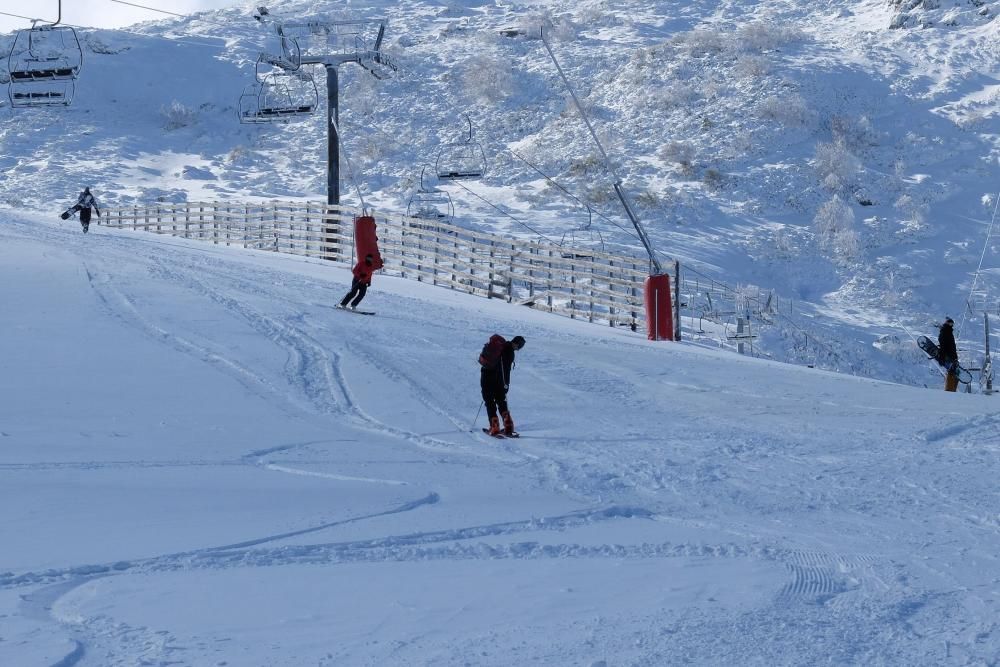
[517,342]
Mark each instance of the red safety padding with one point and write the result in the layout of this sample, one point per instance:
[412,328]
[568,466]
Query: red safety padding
[365,239]
[659,308]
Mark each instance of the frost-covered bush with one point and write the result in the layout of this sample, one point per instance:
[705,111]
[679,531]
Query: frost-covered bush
[834,228]
[752,66]
[790,110]
[177,116]
[488,78]
[856,133]
[914,213]
[680,155]
[836,167]
[759,36]
[679,94]
[703,42]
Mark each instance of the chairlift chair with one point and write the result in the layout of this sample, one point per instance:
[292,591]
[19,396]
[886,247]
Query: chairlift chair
[461,160]
[41,93]
[576,242]
[43,64]
[430,203]
[279,97]
[45,53]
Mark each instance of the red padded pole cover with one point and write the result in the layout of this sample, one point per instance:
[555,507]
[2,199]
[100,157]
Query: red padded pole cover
[365,239]
[659,308]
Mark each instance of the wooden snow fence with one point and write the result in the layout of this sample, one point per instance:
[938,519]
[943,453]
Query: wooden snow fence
[576,282]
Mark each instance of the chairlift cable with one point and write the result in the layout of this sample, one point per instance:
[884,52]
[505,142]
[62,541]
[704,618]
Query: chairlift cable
[163,11]
[523,224]
[975,278]
[18,16]
[129,32]
[570,194]
[350,169]
[152,9]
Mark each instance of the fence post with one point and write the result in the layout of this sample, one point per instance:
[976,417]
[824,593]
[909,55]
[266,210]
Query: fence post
[611,288]
[677,300]
[510,275]
[532,250]
[548,285]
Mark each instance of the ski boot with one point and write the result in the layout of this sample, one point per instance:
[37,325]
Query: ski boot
[494,426]
[508,424]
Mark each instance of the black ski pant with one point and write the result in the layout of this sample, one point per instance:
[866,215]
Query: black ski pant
[495,398]
[358,290]
[84,215]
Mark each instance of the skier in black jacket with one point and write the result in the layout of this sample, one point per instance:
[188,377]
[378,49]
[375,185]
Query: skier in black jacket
[948,354]
[495,382]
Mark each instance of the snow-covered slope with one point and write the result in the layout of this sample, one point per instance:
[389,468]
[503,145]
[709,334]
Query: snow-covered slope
[842,154]
[204,463]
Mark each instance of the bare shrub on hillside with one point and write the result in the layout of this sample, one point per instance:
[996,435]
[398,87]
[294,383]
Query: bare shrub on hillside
[699,43]
[752,66]
[713,179]
[680,155]
[790,110]
[836,167]
[834,228]
[177,116]
[488,78]
[679,94]
[914,213]
[592,164]
[759,36]
[856,133]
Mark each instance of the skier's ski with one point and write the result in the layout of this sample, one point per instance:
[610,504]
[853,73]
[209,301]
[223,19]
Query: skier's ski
[359,312]
[501,436]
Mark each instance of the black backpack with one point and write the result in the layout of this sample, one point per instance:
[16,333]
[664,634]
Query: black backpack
[490,356]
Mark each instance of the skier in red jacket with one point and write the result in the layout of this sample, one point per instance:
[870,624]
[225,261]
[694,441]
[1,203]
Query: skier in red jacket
[363,271]
[494,381]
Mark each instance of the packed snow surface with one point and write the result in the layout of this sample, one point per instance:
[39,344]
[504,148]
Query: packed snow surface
[205,463]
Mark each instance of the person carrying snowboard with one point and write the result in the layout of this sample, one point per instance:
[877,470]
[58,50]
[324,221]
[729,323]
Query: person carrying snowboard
[84,203]
[496,361]
[948,354]
[362,271]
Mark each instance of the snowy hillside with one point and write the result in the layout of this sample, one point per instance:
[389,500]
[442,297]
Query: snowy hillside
[841,154]
[204,463]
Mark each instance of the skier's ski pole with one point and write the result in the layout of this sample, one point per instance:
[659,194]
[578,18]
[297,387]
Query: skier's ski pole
[481,404]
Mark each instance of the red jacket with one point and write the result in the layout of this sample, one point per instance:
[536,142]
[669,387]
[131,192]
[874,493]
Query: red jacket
[363,272]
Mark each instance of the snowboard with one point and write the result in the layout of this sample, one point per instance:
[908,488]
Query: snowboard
[501,436]
[65,215]
[928,346]
[931,349]
[359,312]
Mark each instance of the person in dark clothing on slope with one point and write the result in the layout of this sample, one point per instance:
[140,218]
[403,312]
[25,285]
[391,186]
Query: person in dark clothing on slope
[84,203]
[495,382]
[948,354]
[362,271]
